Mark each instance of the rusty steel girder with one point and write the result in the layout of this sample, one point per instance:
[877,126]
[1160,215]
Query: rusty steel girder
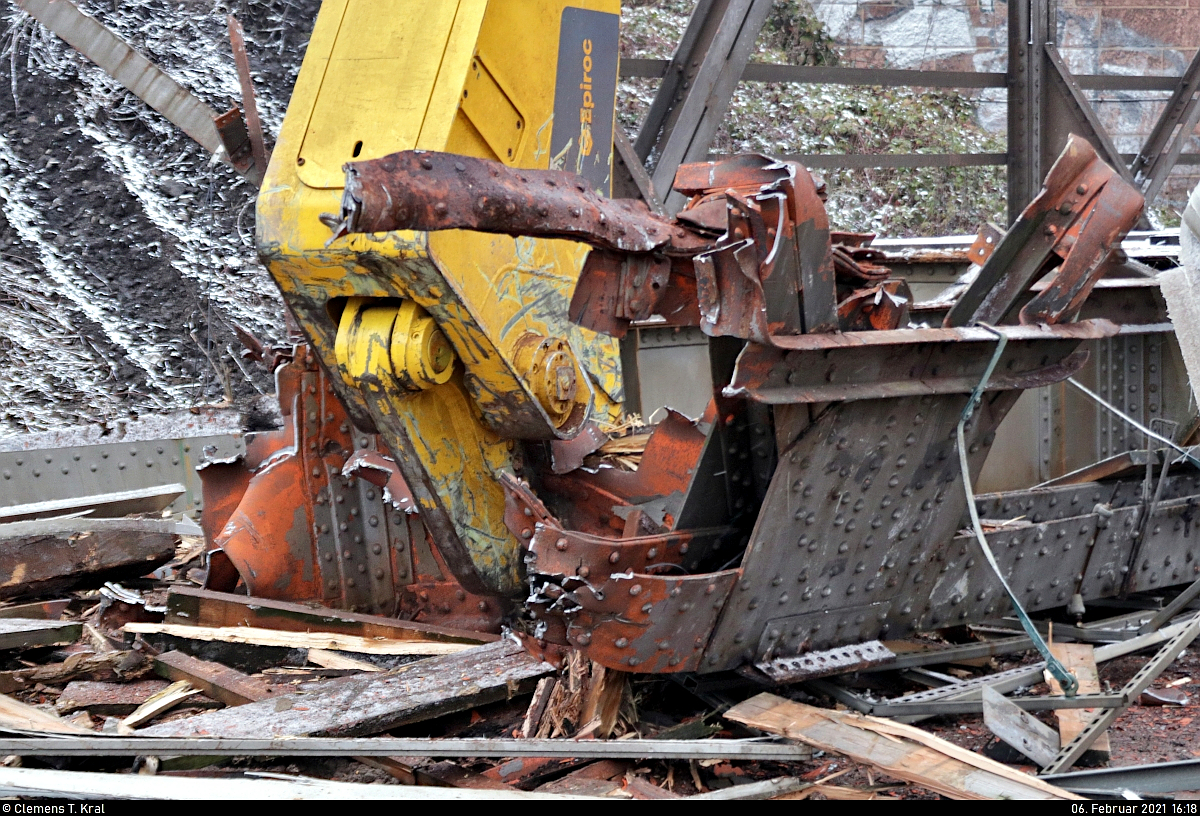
[318,511]
[818,500]
[1084,209]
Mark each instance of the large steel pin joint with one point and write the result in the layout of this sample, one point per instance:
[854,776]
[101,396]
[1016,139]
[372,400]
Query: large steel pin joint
[377,339]
[548,367]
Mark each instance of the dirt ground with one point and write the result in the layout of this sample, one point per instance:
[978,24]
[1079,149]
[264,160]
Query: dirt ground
[126,254]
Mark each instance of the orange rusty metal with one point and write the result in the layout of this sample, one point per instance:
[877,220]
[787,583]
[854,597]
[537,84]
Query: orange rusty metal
[882,307]
[1081,213]
[620,601]
[317,510]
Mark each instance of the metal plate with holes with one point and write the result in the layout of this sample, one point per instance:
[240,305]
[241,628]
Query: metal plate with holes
[860,513]
[831,661]
[28,476]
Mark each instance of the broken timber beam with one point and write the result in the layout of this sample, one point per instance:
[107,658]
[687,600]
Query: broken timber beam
[202,607]
[233,688]
[106,699]
[61,556]
[369,704]
[77,665]
[898,750]
[219,682]
[15,715]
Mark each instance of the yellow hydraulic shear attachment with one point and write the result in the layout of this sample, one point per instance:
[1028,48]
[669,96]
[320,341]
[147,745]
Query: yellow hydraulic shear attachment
[454,346]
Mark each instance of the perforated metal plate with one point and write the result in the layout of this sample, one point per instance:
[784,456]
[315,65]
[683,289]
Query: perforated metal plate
[831,661]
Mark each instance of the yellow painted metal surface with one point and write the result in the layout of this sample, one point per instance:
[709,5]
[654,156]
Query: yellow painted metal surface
[387,75]
[384,58]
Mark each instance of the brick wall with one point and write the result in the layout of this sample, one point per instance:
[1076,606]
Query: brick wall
[1127,37]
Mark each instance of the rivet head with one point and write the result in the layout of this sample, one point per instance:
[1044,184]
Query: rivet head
[614,557]
[621,643]
[636,589]
[561,545]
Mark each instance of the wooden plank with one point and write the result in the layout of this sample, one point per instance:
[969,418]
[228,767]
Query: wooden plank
[368,704]
[899,750]
[25,633]
[1023,731]
[1080,660]
[21,717]
[201,607]
[537,706]
[767,789]
[221,683]
[76,665]
[55,561]
[254,636]
[602,703]
[234,689]
[1104,469]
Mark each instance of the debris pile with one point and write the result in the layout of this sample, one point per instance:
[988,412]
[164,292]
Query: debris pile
[262,698]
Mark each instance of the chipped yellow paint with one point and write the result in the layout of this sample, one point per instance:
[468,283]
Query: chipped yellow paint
[387,75]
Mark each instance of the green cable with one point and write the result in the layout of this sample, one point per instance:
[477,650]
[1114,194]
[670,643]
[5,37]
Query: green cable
[1065,679]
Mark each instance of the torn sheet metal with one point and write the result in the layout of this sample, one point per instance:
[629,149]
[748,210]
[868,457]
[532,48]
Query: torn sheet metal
[336,500]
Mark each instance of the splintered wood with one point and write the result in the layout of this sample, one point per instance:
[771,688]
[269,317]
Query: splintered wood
[21,717]
[899,750]
[368,704]
[59,557]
